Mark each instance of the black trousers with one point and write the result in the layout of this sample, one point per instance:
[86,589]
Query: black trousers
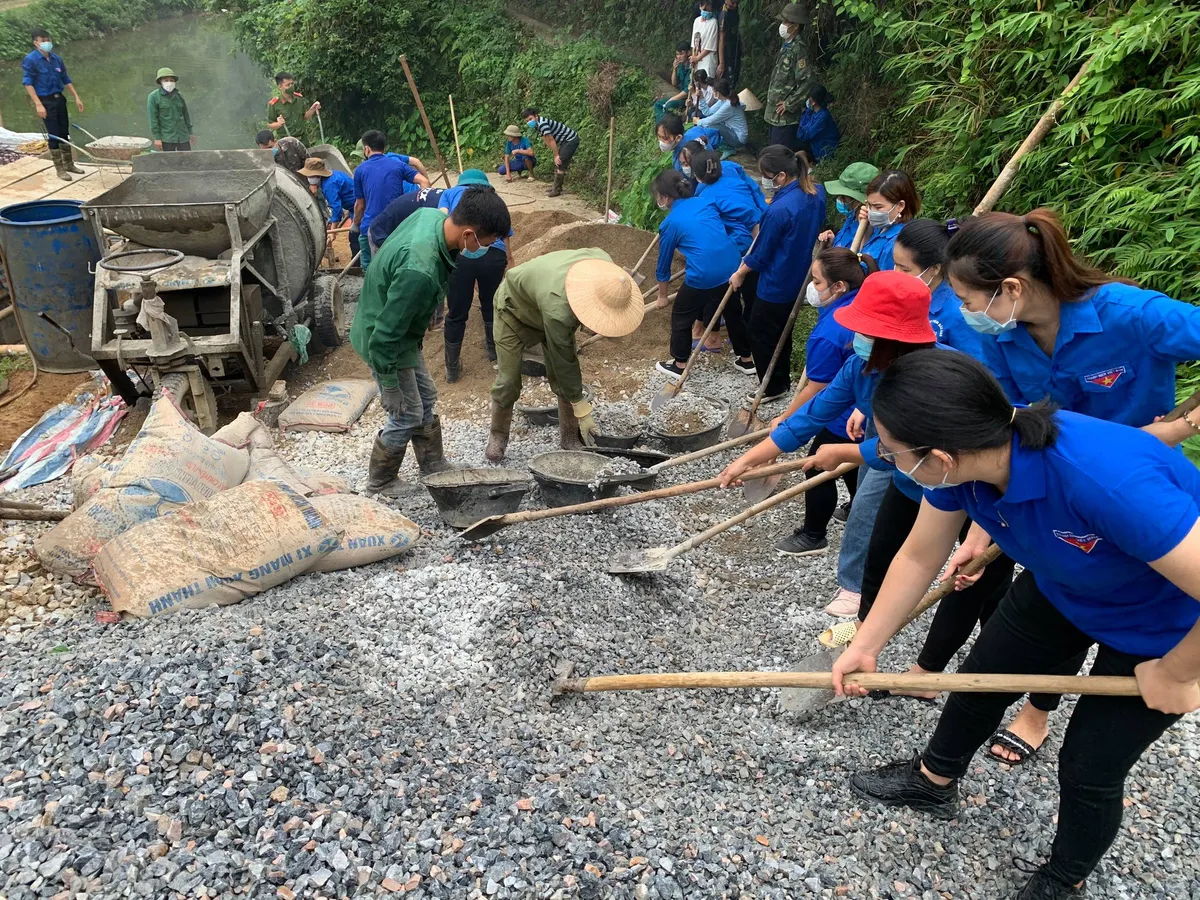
[184,145]
[786,135]
[821,501]
[765,323]
[1105,737]
[57,122]
[699,304]
[487,272]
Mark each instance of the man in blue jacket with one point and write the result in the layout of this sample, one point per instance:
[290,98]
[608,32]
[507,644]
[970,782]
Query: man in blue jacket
[45,79]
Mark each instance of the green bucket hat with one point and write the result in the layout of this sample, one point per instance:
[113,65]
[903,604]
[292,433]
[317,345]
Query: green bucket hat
[164,72]
[796,14]
[853,181]
[473,176]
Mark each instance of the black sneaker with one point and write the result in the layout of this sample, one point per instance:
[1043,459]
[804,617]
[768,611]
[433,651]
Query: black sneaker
[746,368]
[842,513]
[798,543]
[902,784]
[1044,886]
[670,368]
[767,398]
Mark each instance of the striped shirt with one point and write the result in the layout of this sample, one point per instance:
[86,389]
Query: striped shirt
[557,130]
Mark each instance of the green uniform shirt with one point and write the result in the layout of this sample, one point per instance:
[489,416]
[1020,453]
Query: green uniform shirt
[791,80]
[169,117]
[404,284]
[293,116]
[534,295]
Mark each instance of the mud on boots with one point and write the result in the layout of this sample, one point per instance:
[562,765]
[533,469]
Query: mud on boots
[499,431]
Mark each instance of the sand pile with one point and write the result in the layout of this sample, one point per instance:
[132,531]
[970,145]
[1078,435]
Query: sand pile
[529,226]
[624,244]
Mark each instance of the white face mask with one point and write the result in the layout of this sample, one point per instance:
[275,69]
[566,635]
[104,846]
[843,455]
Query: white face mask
[168,86]
[985,324]
[767,183]
[881,218]
[664,146]
[314,179]
[687,170]
[784,31]
[813,296]
[930,487]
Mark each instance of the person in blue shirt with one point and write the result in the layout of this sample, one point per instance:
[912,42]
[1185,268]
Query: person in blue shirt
[44,75]
[837,274]
[398,210]
[1105,521]
[378,180]
[817,132]
[892,203]
[693,227]
[474,271]
[1054,326]
[518,154]
[728,117]
[920,251]
[672,138]
[738,198]
[849,190]
[336,187]
[781,256]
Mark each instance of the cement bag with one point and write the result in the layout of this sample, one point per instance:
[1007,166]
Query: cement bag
[234,545]
[245,432]
[268,464]
[88,475]
[333,406]
[168,464]
[370,531]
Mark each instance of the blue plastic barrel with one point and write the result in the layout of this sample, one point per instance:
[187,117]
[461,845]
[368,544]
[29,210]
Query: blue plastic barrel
[48,248]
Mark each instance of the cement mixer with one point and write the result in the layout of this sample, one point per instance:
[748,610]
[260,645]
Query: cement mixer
[216,254]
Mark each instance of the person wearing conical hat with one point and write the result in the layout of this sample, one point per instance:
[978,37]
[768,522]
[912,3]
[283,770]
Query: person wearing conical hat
[170,121]
[543,302]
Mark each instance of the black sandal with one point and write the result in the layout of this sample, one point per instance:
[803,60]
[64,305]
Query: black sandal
[1013,744]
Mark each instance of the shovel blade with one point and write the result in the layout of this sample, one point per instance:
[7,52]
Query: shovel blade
[669,392]
[634,562]
[483,528]
[760,489]
[638,278]
[743,423]
[803,702]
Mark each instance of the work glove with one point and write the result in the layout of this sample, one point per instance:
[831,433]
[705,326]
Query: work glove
[587,422]
[392,401]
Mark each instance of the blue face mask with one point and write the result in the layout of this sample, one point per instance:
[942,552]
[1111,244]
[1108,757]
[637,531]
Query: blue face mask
[985,324]
[477,253]
[930,487]
[863,346]
[274,151]
[705,15]
[808,105]
[842,207]
[46,46]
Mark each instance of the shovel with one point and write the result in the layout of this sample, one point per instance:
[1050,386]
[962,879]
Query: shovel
[805,703]
[658,558]
[633,273]
[671,389]
[489,526]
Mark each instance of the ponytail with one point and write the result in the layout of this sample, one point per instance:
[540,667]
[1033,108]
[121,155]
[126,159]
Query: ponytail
[672,185]
[948,401]
[724,87]
[706,166]
[994,246]
[777,159]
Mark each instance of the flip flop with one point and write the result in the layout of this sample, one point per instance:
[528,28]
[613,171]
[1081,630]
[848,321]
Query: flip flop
[720,349]
[1009,741]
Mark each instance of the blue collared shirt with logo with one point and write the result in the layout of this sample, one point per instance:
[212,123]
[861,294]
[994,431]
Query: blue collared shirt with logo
[46,74]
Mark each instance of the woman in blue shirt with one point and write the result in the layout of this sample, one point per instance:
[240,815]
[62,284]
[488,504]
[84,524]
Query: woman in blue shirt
[518,154]
[837,274]
[737,197]
[817,132]
[920,251]
[892,202]
[1105,521]
[727,116]
[1054,326]
[780,257]
[850,191]
[693,227]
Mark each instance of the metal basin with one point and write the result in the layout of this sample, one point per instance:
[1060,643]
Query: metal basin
[567,477]
[464,496]
[698,440]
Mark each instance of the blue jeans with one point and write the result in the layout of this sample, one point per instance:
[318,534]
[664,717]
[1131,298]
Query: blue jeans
[872,484]
[364,246]
[419,395]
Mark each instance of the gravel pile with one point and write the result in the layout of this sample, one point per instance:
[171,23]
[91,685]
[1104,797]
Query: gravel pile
[614,468]
[536,393]
[619,419]
[687,414]
[393,729]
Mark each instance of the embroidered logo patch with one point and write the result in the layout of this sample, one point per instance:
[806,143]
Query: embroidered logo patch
[1085,542]
[1107,378]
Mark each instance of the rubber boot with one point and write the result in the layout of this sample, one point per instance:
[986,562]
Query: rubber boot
[383,471]
[453,365]
[497,444]
[489,340]
[60,167]
[568,427]
[556,188]
[427,448]
[69,161]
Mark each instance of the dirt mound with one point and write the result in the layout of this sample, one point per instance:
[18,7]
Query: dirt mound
[624,244]
[530,226]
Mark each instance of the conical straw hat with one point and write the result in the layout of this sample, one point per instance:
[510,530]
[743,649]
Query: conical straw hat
[604,297]
[749,102]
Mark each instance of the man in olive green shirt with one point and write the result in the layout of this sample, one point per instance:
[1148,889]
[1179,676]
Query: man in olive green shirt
[290,113]
[543,302]
[403,287]
[791,79]
[170,121]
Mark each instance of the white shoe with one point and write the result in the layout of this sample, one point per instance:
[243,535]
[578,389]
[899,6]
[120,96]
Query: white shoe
[844,604]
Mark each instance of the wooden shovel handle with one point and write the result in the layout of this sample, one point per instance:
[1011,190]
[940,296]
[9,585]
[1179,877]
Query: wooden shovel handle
[982,683]
[783,339]
[860,236]
[612,127]
[653,244]
[709,451]
[946,588]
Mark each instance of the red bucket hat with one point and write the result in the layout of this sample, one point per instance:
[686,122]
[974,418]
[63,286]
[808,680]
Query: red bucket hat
[890,305]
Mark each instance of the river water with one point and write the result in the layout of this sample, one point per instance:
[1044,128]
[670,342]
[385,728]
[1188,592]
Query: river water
[226,93]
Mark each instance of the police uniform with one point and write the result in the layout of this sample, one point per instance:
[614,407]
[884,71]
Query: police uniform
[294,123]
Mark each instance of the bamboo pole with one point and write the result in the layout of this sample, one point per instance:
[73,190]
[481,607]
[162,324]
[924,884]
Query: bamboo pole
[454,125]
[412,86]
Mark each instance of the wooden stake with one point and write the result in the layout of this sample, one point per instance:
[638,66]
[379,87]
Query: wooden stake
[454,125]
[612,127]
[412,86]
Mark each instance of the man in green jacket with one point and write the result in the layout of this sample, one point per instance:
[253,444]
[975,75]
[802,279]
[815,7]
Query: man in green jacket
[791,79]
[404,285]
[170,121]
[543,302]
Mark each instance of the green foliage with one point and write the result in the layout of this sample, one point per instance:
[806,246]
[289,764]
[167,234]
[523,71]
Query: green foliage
[73,20]
[636,202]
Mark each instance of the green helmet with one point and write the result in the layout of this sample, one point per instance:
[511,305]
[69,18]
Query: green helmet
[164,72]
